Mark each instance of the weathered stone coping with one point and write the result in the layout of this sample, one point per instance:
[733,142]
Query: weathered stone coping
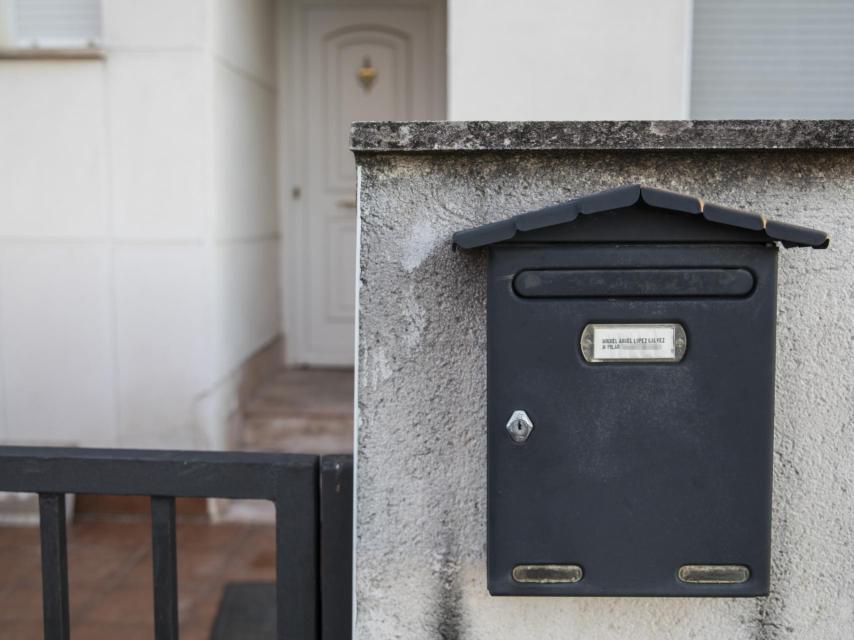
[477,136]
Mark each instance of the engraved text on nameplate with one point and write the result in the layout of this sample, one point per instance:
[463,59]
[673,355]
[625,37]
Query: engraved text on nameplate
[633,342]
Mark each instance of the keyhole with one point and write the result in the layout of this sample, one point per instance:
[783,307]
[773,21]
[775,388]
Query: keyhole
[519,426]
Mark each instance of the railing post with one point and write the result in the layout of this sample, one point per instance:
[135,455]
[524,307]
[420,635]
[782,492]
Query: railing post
[165,567]
[297,589]
[54,566]
[336,547]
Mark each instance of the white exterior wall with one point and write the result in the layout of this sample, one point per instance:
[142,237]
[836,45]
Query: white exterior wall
[245,226]
[137,227]
[568,59]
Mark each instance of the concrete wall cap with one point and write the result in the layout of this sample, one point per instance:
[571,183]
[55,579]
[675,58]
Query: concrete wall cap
[483,136]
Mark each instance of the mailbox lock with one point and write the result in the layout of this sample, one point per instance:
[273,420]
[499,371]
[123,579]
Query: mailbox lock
[519,426]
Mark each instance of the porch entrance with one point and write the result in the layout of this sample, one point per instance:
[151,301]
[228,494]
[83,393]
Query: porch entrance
[344,61]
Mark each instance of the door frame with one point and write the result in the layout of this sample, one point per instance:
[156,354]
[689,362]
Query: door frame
[290,111]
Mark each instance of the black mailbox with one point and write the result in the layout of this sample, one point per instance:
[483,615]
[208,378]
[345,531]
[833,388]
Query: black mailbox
[631,340]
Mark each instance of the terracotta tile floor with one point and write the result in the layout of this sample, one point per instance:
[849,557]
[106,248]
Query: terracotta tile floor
[109,567]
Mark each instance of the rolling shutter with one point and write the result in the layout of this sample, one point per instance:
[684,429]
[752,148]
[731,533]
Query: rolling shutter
[773,59]
[55,23]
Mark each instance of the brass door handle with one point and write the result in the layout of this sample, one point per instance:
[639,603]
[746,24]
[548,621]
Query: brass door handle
[349,203]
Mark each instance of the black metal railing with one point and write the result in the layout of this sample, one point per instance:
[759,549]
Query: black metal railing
[312,496]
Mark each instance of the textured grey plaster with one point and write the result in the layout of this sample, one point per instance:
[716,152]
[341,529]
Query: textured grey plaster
[420,137]
[421,494]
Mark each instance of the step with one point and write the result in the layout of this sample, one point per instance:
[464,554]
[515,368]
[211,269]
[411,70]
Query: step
[300,434]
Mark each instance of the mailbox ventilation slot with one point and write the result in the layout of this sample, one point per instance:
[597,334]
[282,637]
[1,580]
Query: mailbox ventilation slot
[547,573]
[633,283]
[713,573]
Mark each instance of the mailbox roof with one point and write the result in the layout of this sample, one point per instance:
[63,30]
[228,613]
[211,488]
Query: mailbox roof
[789,235]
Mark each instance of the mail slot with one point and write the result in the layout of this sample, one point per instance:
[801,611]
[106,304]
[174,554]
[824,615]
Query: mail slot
[630,395]
[632,283]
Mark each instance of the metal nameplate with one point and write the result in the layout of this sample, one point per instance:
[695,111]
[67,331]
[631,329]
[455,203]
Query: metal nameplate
[633,342]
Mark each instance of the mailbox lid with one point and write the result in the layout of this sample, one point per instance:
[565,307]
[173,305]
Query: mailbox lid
[633,469]
[636,213]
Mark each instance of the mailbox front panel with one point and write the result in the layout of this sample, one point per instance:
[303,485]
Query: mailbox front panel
[641,475]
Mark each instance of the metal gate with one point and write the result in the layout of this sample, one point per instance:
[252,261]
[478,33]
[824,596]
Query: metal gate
[313,497]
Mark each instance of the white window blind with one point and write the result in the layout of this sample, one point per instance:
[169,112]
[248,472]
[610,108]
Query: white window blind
[50,24]
[773,59]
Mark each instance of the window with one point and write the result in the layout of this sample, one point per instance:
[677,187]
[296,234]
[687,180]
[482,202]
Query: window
[773,59]
[50,24]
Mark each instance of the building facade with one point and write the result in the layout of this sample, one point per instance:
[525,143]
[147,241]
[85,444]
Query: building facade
[177,197]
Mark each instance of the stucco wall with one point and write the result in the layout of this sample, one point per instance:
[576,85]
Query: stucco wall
[421,476]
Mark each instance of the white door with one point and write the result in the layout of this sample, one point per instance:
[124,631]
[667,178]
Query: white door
[351,61]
